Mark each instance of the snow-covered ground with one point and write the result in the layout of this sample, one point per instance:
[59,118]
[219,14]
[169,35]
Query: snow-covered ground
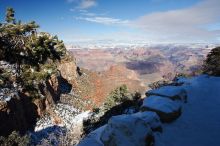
[199,124]
[69,116]
[71,121]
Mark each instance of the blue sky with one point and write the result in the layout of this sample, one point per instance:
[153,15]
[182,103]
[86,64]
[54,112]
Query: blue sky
[185,21]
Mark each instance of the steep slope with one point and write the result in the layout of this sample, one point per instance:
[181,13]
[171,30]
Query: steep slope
[102,84]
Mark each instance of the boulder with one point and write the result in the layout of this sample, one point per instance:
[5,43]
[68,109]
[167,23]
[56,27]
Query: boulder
[151,118]
[127,130]
[172,92]
[93,138]
[68,69]
[167,109]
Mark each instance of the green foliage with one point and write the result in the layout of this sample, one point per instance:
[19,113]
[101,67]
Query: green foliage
[119,101]
[34,53]
[31,77]
[21,43]
[212,62]
[117,96]
[10,15]
[14,139]
[4,78]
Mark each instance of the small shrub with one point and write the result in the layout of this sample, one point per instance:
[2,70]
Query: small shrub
[119,101]
[212,62]
[117,96]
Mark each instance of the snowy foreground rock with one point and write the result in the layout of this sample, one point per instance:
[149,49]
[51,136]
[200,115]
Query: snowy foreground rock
[167,109]
[198,125]
[172,92]
[125,130]
[63,118]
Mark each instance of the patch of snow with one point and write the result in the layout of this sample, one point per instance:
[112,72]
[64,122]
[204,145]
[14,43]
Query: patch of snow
[70,116]
[159,103]
[6,94]
[71,121]
[126,130]
[44,123]
[48,136]
[151,118]
[199,124]
[130,130]
[169,91]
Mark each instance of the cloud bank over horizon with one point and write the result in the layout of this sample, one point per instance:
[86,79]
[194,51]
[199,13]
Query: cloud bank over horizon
[191,24]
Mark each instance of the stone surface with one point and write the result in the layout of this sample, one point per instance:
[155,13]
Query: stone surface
[125,130]
[167,109]
[19,113]
[68,69]
[172,92]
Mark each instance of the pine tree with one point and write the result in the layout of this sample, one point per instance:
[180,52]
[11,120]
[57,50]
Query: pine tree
[212,62]
[10,15]
[23,45]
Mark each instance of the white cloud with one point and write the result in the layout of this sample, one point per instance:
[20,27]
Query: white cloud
[190,24]
[85,4]
[183,24]
[104,20]
[89,14]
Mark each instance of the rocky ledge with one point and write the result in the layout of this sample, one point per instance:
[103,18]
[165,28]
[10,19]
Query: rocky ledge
[162,105]
[197,124]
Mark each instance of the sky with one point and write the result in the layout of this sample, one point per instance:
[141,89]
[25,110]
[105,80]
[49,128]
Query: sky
[168,21]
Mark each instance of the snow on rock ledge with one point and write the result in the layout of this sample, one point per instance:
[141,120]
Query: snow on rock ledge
[70,118]
[151,118]
[199,123]
[63,119]
[172,92]
[125,130]
[167,109]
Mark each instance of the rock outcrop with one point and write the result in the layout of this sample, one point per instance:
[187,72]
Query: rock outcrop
[127,130]
[167,109]
[162,105]
[68,68]
[19,113]
[133,130]
[172,92]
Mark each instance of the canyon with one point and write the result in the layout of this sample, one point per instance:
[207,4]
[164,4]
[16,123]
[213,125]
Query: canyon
[141,65]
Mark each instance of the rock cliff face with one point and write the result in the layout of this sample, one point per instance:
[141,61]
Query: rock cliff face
[19,111]
[68,69]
